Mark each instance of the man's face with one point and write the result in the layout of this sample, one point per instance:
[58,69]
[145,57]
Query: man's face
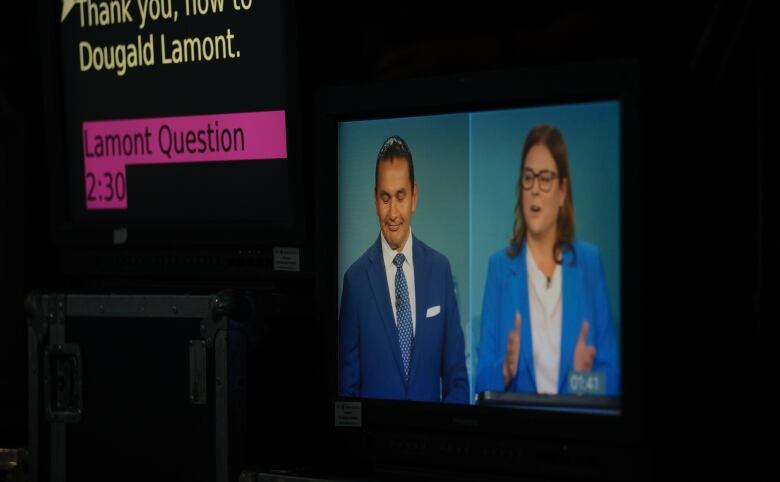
[396,200]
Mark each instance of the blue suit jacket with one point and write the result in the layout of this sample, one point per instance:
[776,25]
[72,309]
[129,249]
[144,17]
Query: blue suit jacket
[584,298]
[370,363]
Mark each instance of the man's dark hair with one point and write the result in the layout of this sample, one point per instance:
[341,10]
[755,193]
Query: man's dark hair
[394,148]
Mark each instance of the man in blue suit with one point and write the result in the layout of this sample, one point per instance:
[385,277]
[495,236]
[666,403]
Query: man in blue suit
[399,329]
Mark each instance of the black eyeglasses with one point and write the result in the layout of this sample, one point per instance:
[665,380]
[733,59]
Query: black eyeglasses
[545,179]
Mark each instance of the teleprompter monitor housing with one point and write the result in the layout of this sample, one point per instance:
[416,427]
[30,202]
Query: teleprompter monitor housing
[172,132]
[534,434]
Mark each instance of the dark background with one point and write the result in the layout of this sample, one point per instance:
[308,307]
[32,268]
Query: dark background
[708,92]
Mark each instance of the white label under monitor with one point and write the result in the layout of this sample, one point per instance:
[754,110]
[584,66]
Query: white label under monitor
[349,414]
[287,259]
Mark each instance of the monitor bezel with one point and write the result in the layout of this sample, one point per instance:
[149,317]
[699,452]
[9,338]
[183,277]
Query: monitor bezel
[501,89]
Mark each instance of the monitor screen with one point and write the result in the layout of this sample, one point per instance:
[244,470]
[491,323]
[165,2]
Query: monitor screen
[176,114]
[478,259]
[509,290]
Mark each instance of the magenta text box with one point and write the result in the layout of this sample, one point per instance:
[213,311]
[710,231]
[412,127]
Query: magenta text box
[110,146]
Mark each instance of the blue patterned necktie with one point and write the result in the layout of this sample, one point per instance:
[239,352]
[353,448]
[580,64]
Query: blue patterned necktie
[403,314]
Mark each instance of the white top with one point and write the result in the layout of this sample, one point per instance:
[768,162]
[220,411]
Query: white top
[545,299]
[388,255]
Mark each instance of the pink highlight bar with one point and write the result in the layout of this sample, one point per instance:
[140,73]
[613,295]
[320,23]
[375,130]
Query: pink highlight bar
[110,146]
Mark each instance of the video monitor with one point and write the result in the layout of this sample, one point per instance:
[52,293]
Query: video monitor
[514,263]
[172,118]
[481,264]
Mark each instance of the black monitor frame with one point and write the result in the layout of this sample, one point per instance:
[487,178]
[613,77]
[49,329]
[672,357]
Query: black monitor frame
[68,233]
[534,86]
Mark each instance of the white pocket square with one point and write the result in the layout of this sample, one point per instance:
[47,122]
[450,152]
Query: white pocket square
[433,311]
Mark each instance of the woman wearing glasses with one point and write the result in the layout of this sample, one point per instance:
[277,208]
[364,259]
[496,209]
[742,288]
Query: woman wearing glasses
[545,313]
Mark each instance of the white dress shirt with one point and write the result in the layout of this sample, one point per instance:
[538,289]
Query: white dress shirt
[545,299]
[388,255]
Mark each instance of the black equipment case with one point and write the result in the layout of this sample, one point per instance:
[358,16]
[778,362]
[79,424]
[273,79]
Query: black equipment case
[136,387]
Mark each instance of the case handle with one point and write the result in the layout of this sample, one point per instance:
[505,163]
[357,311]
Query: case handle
[62,383]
